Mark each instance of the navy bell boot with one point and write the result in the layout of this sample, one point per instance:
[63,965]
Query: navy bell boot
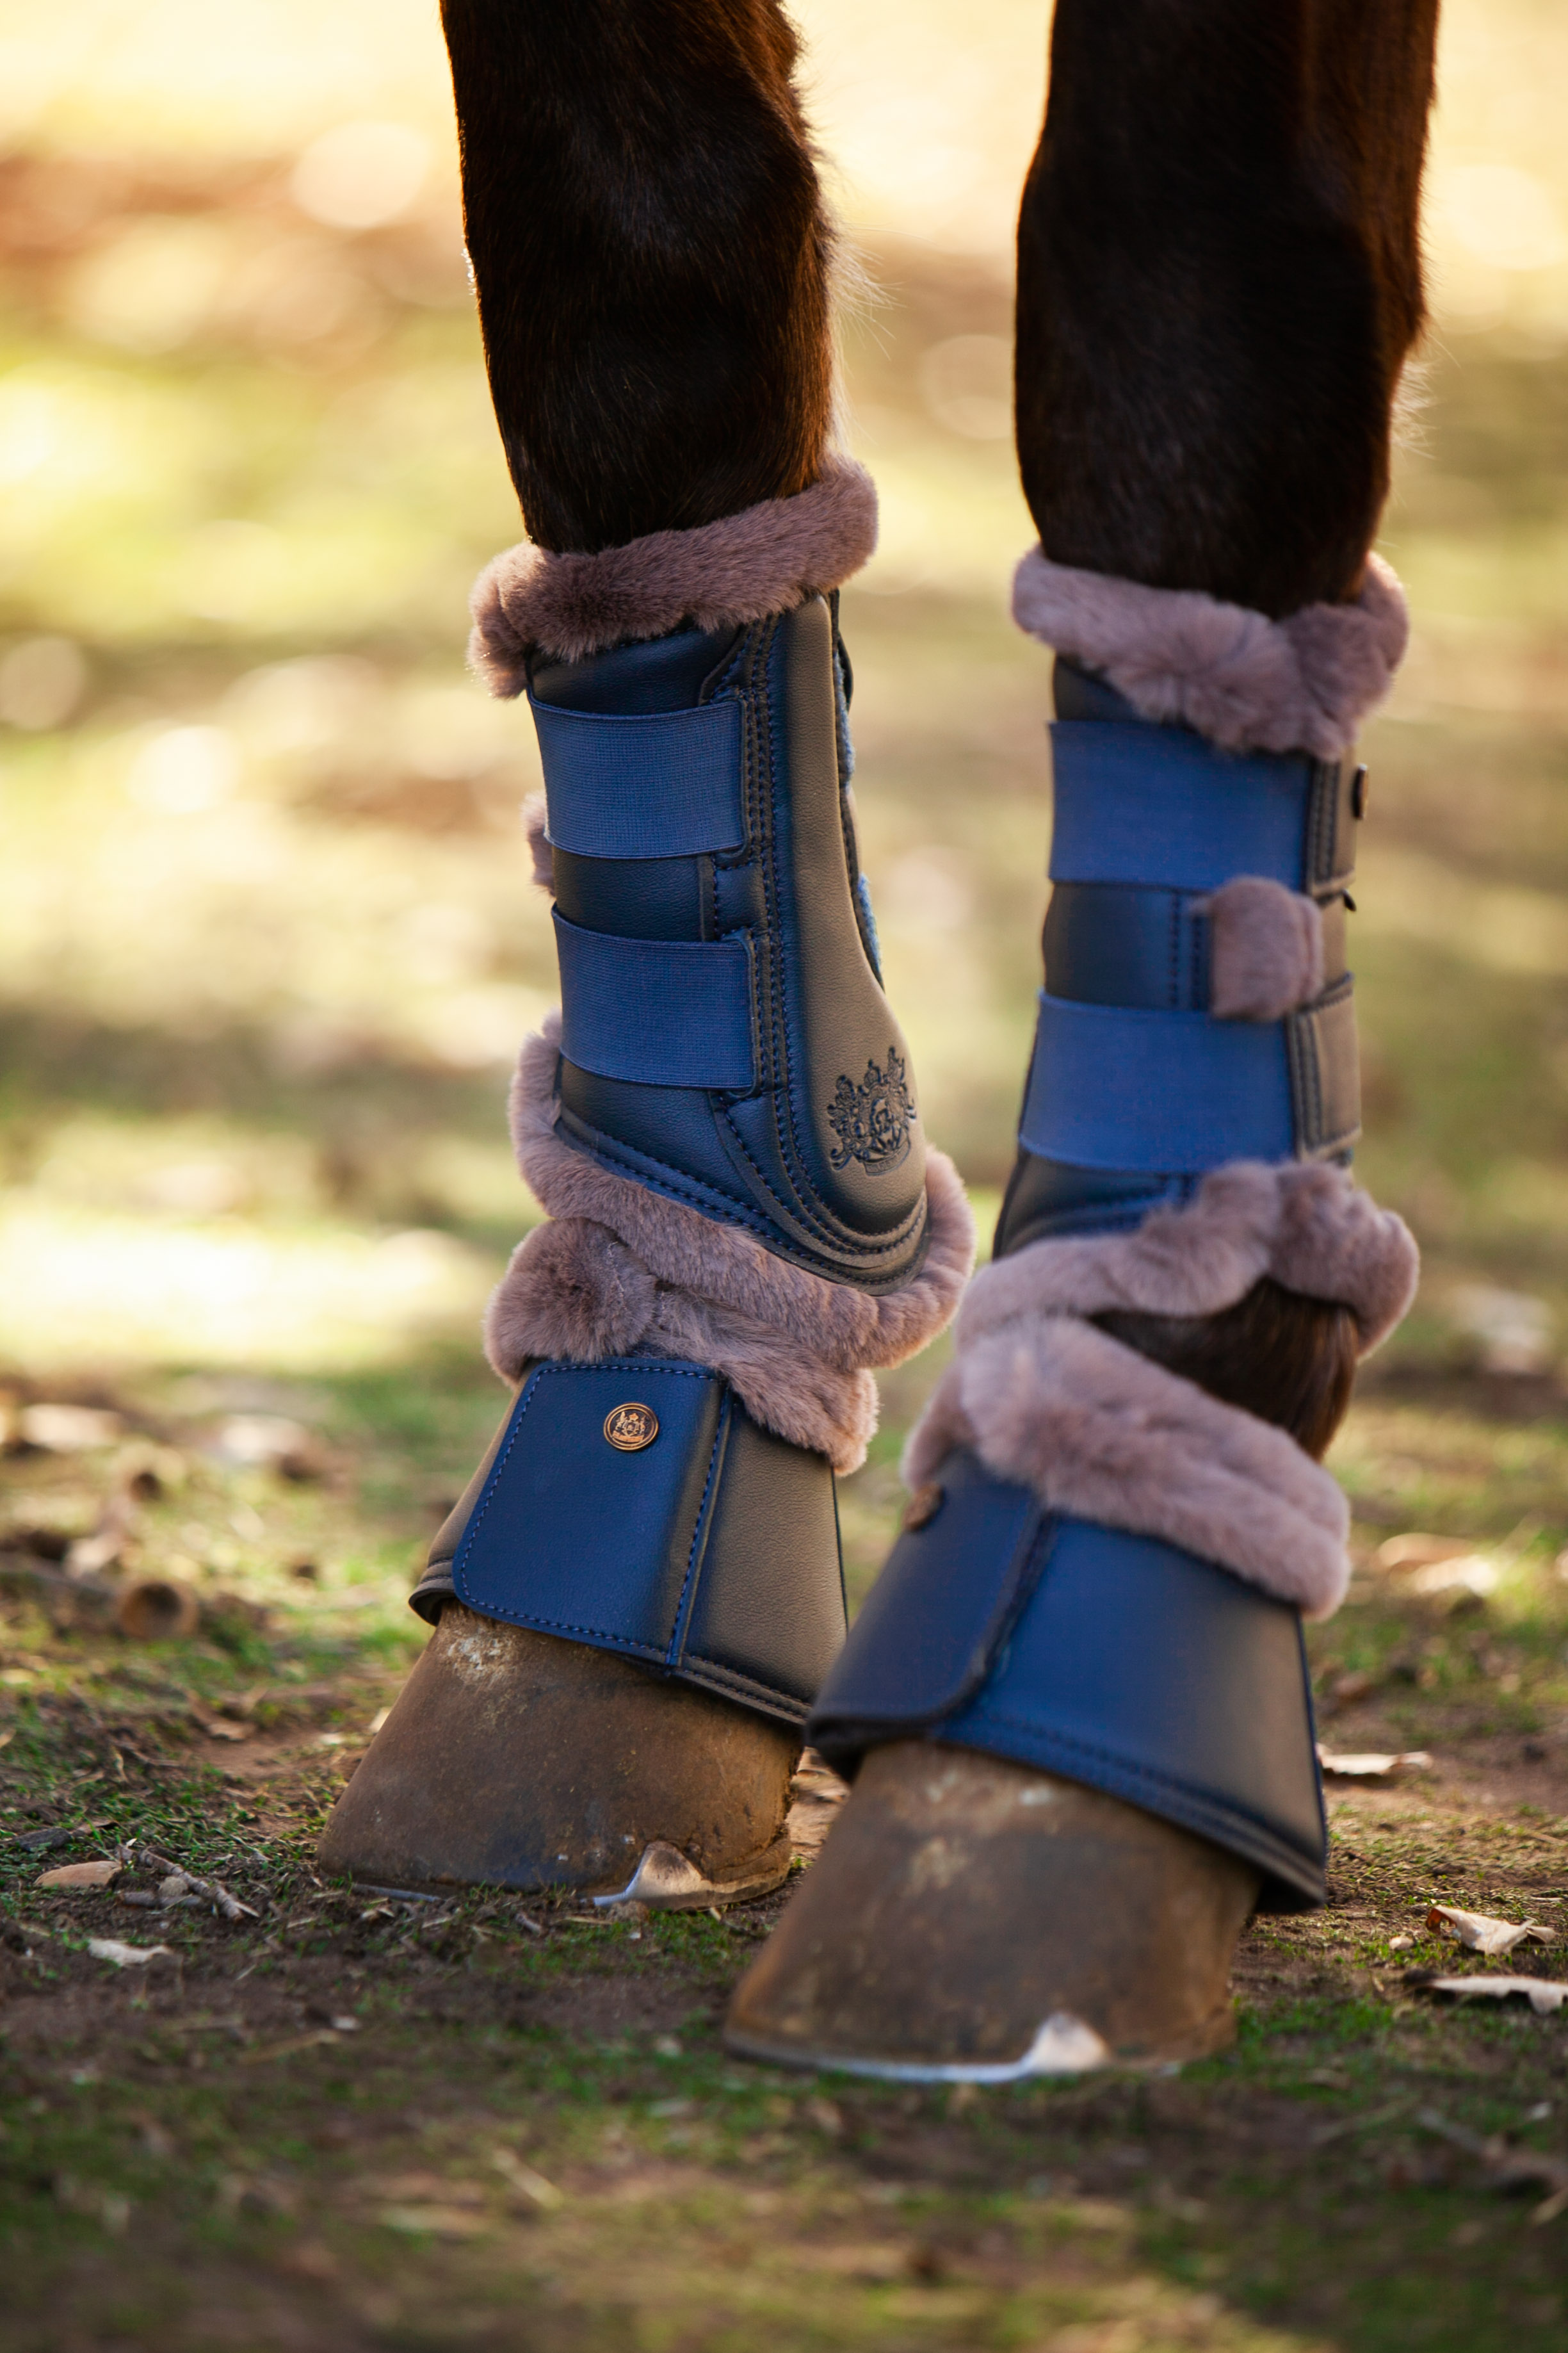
[1076,1707]
[636,1598]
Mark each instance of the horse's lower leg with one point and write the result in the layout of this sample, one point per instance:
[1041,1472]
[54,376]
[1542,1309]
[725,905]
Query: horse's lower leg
[652,258]
[723,1126]
[1218,284]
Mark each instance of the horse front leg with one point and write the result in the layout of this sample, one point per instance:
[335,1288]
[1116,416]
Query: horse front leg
[637,1597]
[1077,1701]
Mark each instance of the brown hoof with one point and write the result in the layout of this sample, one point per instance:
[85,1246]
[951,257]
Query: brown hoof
[971,1919]
[514,1759]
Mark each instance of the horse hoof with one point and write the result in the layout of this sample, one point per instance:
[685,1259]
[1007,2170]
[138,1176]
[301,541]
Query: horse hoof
[515,1759]
[975,1920]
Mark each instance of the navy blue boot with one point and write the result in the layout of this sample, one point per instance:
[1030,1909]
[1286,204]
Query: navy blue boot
[1076,1706]
[639,1594]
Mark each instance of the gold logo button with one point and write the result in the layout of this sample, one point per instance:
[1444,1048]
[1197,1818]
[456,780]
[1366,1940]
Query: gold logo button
[630,1427]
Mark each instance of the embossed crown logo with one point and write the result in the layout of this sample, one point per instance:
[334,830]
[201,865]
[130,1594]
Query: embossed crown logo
[872,1120]
[630,1427]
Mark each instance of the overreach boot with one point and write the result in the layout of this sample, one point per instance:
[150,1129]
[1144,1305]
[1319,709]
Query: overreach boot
[1076,1707]
[639,1593]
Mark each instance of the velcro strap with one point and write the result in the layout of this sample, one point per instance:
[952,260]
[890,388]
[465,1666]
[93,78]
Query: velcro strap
[1325,1073]
[1333,811]
[1115,1087]
[1158,805]
[666,784]
[662,1013]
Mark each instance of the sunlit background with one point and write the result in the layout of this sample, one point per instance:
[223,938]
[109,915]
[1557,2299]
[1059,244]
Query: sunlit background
[267,942]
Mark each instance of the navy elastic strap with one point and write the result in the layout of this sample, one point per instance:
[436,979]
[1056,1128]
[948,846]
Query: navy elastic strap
[662,1013]
[1159,806]
[1116,1087]
[667,784]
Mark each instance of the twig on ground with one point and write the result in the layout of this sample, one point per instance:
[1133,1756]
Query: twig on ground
[216,1893]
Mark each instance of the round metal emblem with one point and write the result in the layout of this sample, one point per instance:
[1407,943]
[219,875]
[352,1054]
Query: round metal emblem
[630,1427]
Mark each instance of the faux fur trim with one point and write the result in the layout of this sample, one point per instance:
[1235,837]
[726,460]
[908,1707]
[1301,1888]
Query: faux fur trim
[764,560]
[1248,684]
[1304,1223]
[535,824]
[1098,1431]
[622,1267]
[1266,950]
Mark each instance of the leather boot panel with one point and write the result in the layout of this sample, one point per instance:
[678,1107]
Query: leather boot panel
[709,1550]
[805,1127]
[1118,1660]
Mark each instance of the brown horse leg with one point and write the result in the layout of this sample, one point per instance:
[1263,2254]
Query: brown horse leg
[1218,284]
[651,255]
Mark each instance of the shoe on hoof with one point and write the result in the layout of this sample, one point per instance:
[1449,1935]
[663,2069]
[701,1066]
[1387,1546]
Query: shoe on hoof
[513,1759]
[972,1920]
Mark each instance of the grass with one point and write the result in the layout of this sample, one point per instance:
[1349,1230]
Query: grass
[329,2123]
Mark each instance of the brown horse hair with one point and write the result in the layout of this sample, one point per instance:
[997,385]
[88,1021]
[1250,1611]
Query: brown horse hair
[1288,1359]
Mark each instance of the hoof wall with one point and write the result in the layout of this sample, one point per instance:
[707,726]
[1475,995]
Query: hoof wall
[973,1921]
[513,1759]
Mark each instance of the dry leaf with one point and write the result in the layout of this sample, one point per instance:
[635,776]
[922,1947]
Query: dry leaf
[533,2186]
[1372,1765]
[8,1736]
[69,1428]
[127,1956]
[1472,1573]
[436,2221]
[1481,1934]
[323,2034]
[1543,1994]
[1417,1550]
[217,1727]
[80,1874]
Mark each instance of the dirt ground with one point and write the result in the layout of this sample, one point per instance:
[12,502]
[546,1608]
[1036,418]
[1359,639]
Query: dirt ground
[344,2119]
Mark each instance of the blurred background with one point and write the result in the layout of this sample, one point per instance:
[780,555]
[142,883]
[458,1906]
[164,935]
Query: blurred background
[267,940]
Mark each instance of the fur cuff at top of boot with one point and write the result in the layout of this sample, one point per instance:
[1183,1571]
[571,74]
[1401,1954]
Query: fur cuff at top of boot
[1244,681]
[621,1269]
[766,560]
[1098,1432]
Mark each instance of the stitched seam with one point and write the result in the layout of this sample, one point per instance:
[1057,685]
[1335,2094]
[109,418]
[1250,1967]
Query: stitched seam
[851,1238]
[605,1151]
[677,1629]
[1198,978]
[767,869]
[745,1213]
[712,1671]
[792,1150]
[677,1184]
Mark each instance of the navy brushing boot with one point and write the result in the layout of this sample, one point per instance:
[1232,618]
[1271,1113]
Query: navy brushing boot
[636,1598]
[1076,1707]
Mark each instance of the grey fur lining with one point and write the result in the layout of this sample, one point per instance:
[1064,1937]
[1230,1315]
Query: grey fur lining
[620,1268]
[767,559]
[1103,1433]
[1245,681]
